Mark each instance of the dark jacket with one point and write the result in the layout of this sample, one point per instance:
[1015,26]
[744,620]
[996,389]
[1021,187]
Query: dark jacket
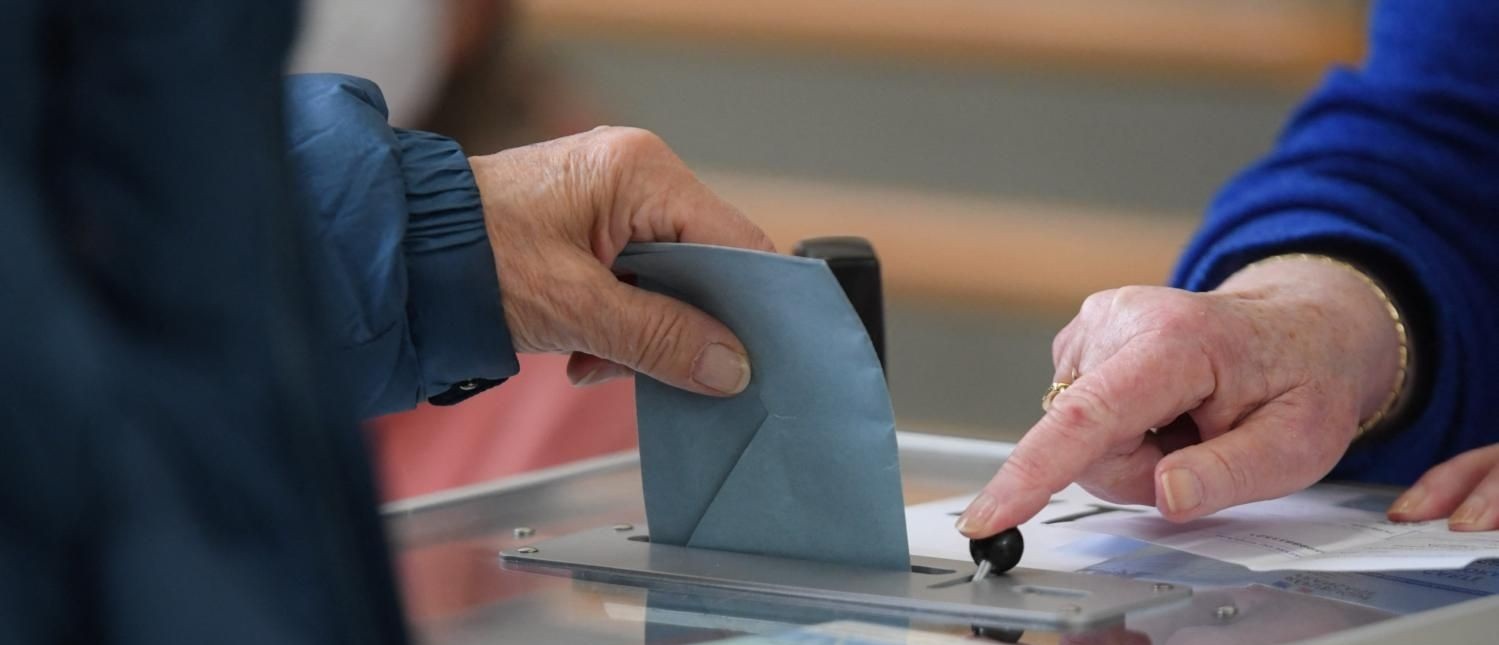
[401,249]
[187,340]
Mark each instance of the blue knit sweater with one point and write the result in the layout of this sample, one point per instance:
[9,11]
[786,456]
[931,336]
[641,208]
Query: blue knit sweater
[1394,166]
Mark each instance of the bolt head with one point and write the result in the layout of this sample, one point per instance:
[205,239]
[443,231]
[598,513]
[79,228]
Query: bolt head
[527,549]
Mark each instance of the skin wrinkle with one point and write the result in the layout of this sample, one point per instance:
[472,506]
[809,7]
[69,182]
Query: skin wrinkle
[557,213]
[648,223]
[1214,376]
[657,339]
[1292,353]
[1241,482]
[1126,479]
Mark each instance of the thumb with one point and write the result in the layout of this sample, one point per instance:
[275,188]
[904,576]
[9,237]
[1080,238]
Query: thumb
[1278,450]
[668,340]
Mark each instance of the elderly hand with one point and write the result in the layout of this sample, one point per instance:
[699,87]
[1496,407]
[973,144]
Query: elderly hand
[559,212]
[1256,390]
[1466,487]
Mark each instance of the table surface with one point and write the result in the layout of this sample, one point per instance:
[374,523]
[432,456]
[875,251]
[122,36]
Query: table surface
[456,592]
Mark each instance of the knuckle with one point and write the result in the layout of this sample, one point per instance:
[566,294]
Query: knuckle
[1059,346]
[1079,409]
[1175,319]
[1097,304]
[1135,302]
[630,140]
[1059,343]
[1129,295]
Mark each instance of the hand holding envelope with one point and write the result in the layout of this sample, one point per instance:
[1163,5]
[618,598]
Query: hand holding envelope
[802,463]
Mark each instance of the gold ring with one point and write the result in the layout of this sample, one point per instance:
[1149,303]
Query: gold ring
[1054,390]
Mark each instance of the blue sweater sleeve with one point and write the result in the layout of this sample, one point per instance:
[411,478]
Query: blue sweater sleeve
[1394,166]
[400,247]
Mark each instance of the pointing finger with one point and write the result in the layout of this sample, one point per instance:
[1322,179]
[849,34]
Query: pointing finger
[1148,380]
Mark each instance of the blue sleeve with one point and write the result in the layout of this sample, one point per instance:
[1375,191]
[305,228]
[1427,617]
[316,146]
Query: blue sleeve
[401,248]
[1394,166]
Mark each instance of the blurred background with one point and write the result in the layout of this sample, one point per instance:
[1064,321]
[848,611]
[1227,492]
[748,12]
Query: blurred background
[1006,158]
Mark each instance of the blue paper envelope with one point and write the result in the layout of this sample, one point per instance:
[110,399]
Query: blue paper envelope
[803,463]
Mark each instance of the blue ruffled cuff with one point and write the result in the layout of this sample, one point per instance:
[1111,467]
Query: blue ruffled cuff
[457,322]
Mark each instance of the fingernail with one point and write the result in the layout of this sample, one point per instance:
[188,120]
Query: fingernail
[976,516]
[720,368]
[1470,512]
[1182,488]
[1408,502]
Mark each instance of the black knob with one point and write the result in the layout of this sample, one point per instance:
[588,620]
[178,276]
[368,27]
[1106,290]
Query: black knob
[1002,551]
[999,634]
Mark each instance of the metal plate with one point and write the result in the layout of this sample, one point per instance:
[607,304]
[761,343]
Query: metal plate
[1023,597]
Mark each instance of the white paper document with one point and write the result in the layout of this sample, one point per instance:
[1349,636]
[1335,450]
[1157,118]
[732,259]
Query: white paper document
[1400,592]
[1049,542]
[1325,528]
[1055,541]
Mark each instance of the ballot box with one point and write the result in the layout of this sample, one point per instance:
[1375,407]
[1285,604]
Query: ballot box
[457,554]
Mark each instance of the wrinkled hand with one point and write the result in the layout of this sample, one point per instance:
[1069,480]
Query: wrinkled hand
[1465,487]
[1255,391]
[558,214]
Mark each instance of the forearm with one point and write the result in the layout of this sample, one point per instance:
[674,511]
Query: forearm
[1393,169]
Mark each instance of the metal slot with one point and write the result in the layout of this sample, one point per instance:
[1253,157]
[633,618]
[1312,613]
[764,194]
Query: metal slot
[1051,591]
[1021,597]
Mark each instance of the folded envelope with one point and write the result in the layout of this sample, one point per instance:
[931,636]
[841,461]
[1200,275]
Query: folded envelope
[803,463]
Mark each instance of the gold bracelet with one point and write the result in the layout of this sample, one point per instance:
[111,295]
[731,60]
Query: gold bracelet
[1401,334]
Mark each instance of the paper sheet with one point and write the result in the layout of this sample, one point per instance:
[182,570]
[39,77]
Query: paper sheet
[1401,592]
[1325,528]
[803,463]
[1049,541]
[1054,545]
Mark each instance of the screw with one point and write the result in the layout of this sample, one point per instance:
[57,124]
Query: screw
[527,549]
[524,531]
[1226,613]
[1161,587]
[624,527]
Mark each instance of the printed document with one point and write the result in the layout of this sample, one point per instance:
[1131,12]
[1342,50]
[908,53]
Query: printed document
[1324,528]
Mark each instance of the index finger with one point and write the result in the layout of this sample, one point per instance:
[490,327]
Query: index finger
[1146,383]
[699,216]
